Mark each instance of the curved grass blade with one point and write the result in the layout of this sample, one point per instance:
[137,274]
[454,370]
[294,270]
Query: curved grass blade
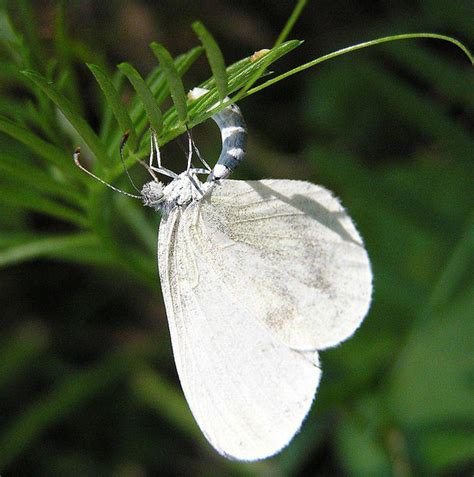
[215,58]
[359,46]
[25,199]
[45,246]
[174,81]
[77,121]
[143,91]
[35,178]
[44,149]
[113,99]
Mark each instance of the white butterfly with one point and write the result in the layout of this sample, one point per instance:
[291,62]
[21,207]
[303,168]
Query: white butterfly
[257,276]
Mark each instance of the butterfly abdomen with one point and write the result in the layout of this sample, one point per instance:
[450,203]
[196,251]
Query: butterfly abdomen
[234,141]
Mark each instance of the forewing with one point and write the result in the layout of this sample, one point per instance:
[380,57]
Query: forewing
[248,392]
[293,254]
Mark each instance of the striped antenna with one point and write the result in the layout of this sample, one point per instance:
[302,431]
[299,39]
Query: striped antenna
[77,156]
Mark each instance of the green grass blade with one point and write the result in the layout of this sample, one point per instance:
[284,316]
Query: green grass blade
[16,171]
[77,121]
[155,392]
[134,215]
[94,255]
[174,80]
[63,55]
[206,106]
[20,350]
[456,271]
[43,247]
[359,46]
[9,37]
[215,58]
[47,151]
[113,99]
[29,30]
[26,199]
[74,391]
[295,14]
[156,80]
[158,86]
[143,91]
[106,121]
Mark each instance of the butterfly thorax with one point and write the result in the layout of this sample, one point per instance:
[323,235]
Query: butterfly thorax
[186,188]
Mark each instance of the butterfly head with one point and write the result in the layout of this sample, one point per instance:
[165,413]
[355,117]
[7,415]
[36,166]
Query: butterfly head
[153,194]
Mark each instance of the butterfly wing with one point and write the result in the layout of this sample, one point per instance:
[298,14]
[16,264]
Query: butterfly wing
[293,257]
[247,390]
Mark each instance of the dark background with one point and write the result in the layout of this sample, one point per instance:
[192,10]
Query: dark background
[87,380]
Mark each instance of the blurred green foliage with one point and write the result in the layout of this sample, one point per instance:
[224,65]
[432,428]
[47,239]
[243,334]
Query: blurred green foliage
[87,382]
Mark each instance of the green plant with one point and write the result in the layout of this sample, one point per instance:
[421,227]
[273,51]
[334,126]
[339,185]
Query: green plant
[37,174]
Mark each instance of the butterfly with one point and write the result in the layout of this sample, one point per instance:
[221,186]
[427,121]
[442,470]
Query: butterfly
[257,278]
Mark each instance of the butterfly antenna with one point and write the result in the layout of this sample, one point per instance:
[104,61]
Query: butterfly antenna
[77,156]
[123,141]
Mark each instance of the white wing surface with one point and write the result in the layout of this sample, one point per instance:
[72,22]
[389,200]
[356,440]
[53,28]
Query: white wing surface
[247,390]
[290,255]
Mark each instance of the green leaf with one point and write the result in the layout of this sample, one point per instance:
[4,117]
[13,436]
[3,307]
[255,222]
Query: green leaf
[206,106]
[215,58]
[134,215]
[73,392]
[47,151]
[18,171]
[64,57]
[360,451]
[157,393]
[29,29]
[143,91]
[359,46]
[44,247]
[158,86]
[200,110]
[173,78]
[26,199]
[113,100]
[20,350]
[447,448]
[77,121]
[93,254]
[431,386]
